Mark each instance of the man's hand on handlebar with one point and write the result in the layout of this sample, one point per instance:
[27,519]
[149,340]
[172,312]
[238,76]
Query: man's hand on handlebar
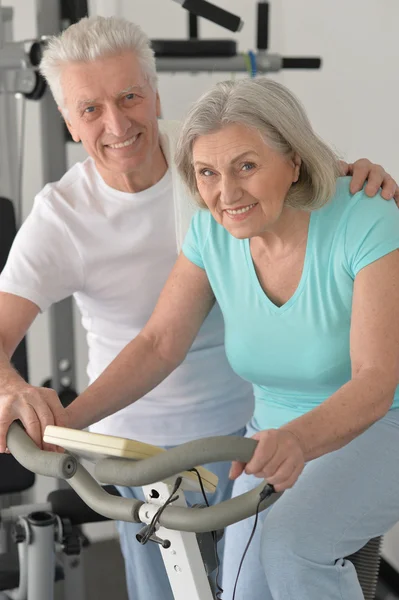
[278,458]
[35,407]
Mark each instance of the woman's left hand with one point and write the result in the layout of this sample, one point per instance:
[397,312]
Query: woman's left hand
[363,171]
[278,458]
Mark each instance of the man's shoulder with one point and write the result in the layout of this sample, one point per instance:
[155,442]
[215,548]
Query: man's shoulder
[66,187]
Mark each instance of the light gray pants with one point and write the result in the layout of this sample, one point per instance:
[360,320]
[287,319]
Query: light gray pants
[145,572]
[339,502]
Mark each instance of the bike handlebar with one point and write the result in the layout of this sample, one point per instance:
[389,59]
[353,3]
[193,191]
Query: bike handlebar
[25,451]
[145,472]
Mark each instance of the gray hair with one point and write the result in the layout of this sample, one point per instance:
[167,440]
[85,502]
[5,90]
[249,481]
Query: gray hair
[92,38]
[272,110]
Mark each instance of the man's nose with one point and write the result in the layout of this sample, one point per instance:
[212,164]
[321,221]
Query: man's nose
[117,123]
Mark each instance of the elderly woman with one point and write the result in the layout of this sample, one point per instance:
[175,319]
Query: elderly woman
[307,278]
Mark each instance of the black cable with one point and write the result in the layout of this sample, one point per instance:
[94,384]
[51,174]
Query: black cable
[151,527]
[267,491]
[219,590]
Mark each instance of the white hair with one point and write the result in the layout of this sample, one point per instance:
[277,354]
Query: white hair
[271,109]
[92,38]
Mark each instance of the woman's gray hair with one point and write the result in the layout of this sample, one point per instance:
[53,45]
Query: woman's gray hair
[92,38]
[272,110]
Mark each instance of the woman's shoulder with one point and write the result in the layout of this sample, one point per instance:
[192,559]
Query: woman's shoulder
[345,205]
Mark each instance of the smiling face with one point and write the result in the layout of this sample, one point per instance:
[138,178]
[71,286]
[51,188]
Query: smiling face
[242,181]
[113,111]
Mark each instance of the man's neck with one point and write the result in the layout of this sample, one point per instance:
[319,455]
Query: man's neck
[140,179]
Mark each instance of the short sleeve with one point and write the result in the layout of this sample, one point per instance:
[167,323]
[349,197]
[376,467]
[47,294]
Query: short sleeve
[372,231]
[196,237]
[43,265]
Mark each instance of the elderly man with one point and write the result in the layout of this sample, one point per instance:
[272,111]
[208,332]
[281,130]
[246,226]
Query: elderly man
[109,233]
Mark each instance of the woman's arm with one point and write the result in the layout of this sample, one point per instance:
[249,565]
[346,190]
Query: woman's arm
[374,344]
[162,345]
[366,398]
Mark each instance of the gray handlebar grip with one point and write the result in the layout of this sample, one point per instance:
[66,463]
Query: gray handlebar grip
[183,458]
[112,507]
[120,471]
[25,451]
[216,517]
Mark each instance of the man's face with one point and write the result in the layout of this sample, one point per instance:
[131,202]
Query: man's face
[113,111]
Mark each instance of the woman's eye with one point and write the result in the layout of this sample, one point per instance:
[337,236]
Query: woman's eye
[248,166]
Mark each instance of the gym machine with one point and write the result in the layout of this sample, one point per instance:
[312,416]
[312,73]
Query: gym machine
[186,536]
[195,55]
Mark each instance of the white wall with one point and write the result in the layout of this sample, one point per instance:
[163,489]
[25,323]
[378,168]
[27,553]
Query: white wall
[352,101]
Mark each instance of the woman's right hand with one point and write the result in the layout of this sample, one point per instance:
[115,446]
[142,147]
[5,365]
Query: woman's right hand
[35,407]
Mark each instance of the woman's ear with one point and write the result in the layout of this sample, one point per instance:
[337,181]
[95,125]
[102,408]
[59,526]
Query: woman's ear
[296,163]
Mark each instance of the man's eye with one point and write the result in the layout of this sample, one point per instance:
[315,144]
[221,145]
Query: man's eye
[90,109]
[130,96]
[206,172]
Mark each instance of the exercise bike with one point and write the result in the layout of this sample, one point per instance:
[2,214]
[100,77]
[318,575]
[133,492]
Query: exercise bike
[166,518]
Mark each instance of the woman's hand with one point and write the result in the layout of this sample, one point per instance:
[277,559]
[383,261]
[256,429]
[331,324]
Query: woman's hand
[363,171]
[278,458]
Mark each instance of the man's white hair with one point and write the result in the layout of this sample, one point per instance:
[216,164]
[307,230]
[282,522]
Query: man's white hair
[92,38]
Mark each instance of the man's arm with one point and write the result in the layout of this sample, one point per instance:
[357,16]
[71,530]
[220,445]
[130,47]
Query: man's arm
[35,407]
[146,361]
[363,170]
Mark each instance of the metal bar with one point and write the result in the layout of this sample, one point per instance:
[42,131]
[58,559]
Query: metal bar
[192,26]
[265,63]
[74,577]
[262,42]
[41,556]
[182,559]
[213,13]
[63,373]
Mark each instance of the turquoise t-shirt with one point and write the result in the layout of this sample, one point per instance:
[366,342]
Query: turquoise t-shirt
[296,355]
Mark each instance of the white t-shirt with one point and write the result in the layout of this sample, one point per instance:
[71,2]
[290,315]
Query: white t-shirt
[113,251]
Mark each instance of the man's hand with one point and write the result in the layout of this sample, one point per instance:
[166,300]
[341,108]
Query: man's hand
[363,170]
[278,458]
[35,407]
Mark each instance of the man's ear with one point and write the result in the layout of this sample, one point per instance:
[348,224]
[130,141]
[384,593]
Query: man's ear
[71,129]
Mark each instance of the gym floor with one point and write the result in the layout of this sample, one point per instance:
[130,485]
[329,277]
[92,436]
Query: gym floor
[104,572]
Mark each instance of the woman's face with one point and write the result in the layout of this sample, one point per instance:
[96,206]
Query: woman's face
[242,181]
